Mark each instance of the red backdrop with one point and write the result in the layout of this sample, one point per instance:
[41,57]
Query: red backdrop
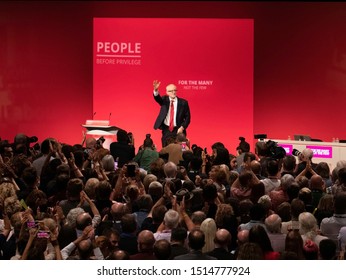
[46,64]
[210,61]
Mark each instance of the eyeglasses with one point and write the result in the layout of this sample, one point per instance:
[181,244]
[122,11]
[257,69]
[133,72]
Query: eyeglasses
[173,90]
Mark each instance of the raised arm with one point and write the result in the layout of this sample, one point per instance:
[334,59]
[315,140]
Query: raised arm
[85,197]
[156,85]
[185,217]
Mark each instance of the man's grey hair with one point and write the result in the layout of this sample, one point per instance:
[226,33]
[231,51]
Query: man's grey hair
[72,216]
[286,181]
[171,219]
[273,223]
[170,169]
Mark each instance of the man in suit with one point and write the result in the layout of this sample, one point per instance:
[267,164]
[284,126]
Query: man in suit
[222,241]
[174,116]
[196,242]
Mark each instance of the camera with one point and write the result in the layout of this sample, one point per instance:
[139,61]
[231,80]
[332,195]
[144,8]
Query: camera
[99,142]
[32,139]
[296,153]
[37,147]
[274,151]
[260,136]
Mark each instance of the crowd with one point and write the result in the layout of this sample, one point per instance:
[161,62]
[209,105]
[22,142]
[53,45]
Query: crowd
[70,202]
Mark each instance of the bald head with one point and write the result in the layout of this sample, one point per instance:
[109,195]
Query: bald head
[255,166]
[119,255]
[117,210]
[316,182]
[243,236]
[83,220]
[146,240]
[222,238]
[85,249]
[90,143]
[307,154]
[198,217]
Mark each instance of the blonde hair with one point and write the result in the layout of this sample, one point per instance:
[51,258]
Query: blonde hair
[308,224]
[7,190]
[12,205]
[209,228]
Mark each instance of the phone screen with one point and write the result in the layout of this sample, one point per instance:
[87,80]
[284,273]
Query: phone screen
[183,146]
[43,234]
[131,170]
[31,224]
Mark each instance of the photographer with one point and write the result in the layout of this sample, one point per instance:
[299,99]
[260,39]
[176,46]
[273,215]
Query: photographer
[146,154]
[123,150]
[305,162]
[22,143]
[244,147]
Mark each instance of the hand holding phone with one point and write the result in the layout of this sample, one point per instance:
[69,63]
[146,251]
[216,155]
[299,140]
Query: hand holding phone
[183,146]
[131,170]
[43,234]
[31,224]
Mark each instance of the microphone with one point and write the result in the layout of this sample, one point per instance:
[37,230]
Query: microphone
[94,115]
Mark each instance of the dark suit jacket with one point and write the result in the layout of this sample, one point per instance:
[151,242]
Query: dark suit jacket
[123,151]
[195,255]
[221,254]
[183,111]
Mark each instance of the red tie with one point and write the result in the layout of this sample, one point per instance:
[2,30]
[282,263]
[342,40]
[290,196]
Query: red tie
[171,117]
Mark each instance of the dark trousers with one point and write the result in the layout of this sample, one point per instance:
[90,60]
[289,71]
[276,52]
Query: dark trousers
[169,136]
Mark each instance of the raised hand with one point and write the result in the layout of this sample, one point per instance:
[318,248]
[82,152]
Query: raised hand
[156,85]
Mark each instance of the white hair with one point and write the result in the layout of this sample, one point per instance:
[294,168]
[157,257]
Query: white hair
[308,153]
[72,216]
[170,169]
[273,223]
[287,180]
[308,224]
[171,219]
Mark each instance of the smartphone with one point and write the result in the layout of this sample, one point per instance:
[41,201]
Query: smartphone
[183,146]
[131,170]
[43,234]
[31,224]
